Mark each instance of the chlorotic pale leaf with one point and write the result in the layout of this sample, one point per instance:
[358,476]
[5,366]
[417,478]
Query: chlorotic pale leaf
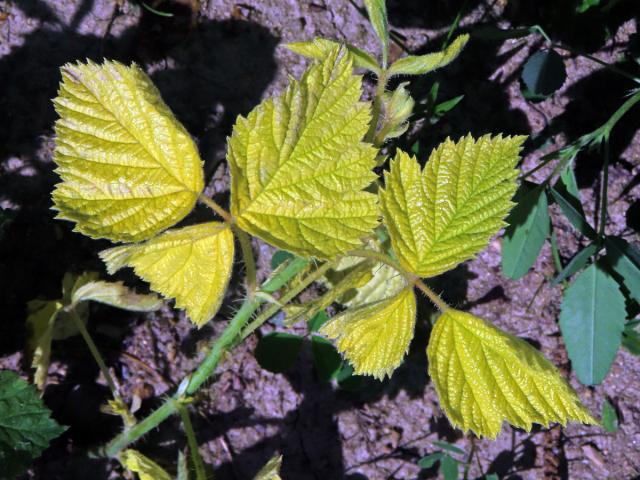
[375,337]
[116,294]
[592,317]
[129,169]
[446,213]
[191,264]
[26,426]
[419,65]
[271,470]
[319,48]
[484,376]
[41,319]
[146,468]
[298,166]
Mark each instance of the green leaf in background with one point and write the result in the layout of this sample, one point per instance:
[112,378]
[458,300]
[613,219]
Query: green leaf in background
[26,426]
[377,11]
[544,73]
[586,5]
[348,381]
[278,351]
[326,358]
[609,417]
[422,64]
[279,258]
[577,263]
[430,460]
[449,447]
[573,212]
[591,320]
[116,295]
[568,186]
[448,468]
[318,320]
[624,259]
[631,337]
[528,228]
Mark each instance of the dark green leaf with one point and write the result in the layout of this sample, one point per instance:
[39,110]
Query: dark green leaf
[586,5]
[447,105]
[449,447]
[317,321]
[348,381]
[528,228]
[631,338]
[26,426]
[279,258]
[624,259]
[609,417]
[448,468]
[573,214]
[591,320]
[278,351]
[567,185]
[577,263]
[544,73]
[325,357]
[430,460]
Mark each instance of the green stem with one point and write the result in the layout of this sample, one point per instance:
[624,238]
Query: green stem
[604,191]
[377,107]
[192,441]
[94,352]
[207,367]
[290,295]
[209,202]
[249,261]
[606,65]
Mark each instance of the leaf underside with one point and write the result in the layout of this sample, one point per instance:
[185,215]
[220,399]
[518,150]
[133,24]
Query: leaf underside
[446,213]
[422,64]
[485,376]
[129,169]
[298,166]
[191,264]
[375,337]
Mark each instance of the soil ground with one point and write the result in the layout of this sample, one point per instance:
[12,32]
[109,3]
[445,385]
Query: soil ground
[220,59]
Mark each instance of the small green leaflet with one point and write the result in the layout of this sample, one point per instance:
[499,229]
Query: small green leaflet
[609,417]
[591,320]
[318,48]
[528,228]
[576,264]
[631,337]
[26,426]
[278,351]
[422,64]
[625,261]
[573,212]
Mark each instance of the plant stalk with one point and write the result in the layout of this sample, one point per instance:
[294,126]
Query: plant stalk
[209,202]
[207,367]
[604,191]
[192,442]
[249,261]
[377,107]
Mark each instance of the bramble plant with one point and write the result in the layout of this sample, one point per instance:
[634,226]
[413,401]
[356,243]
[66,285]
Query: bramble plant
[302,180]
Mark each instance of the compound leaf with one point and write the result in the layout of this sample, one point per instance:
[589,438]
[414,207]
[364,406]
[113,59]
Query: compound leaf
[485,376]
[117,295]
[421,64]
[41,319]
[191,264]
[592,319]
[298,166]
[447,213]
[319,48]
[26,426]
[129,169]
[146,468]
[524,237]
[375,337]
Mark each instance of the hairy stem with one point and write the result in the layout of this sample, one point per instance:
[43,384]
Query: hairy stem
[290,295]
[192,441]
[377,107]
[209,202]
[94,352]
[410,277]
[219,346]
[249,261]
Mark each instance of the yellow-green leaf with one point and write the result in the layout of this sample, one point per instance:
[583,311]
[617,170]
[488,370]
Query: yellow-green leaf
[271,470]
[421,64]
[485,376]
[298,166]
[129,169]
[191,264]
[116,294]
[446,213]
[41,319]
[319,48]
[146,468]
[377,12]
[375,337]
